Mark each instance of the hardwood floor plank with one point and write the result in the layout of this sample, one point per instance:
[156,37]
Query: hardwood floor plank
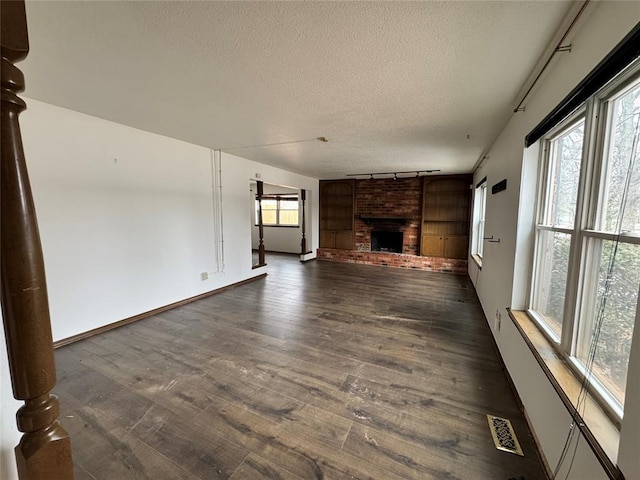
[317,425]
[308,459]
[318,371]
[421,401]
[257,468]
[79,473]
[108,452]
[260,436]
[202,452]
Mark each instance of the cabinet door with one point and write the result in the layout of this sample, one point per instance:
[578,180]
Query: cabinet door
[344,240]
[456,247]
[432,246]
[327,239]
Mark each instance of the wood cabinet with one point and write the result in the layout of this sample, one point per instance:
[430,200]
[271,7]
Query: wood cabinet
[445,216]
[337,201]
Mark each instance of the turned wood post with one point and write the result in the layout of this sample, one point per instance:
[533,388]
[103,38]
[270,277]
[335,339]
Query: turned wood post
[261,259]
[44,452]
[303,245]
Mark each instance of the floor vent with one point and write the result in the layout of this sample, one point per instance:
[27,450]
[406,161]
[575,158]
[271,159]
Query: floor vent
[503,435]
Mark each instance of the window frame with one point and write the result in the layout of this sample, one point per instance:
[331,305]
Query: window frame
[479,220]
[278,197]
[596,112]
[544,177]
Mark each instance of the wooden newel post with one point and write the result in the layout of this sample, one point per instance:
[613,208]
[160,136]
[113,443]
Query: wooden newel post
[44,452]
[261,259]
[303,243]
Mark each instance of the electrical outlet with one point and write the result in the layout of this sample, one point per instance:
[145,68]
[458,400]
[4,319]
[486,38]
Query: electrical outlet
[497,320]
[204,276]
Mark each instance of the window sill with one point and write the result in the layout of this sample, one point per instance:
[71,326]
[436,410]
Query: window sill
[477,259]
[279,226]
[598,429]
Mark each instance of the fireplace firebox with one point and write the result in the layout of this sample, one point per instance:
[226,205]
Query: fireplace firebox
[384,241]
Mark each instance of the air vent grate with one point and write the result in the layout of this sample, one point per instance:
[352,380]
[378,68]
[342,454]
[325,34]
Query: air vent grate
[503,435]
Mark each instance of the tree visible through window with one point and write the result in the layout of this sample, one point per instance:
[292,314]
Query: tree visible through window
[555,228]
[587,249]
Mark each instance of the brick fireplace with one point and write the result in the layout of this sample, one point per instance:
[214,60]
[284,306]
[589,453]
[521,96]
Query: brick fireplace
[389,205]
[393,207]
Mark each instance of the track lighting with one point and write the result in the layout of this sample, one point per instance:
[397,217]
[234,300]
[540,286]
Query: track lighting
[395,174]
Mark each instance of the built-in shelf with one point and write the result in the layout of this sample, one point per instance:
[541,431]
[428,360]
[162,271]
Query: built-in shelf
[445,216]
[368,219]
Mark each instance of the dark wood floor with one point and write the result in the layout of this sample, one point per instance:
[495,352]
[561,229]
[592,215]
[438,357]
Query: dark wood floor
[320,370]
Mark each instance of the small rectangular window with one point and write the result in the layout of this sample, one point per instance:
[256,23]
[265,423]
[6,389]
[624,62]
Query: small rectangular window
[279,210]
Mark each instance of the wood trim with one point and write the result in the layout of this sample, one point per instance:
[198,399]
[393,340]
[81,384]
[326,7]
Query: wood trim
[303,240]
[623,54]
[150,313]
[266,225]
[477,260]
[565,384]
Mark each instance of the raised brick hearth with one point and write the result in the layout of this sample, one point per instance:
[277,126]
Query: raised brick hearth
[415,262]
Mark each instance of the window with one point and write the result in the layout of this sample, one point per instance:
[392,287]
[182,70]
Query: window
[586,272]
[279,210]
[555,228]
[479,209]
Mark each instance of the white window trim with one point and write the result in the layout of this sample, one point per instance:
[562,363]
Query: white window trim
[479,221]
[595,142]
[267,196]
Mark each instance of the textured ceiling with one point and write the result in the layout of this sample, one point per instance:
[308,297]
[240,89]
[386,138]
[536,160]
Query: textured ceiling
[393,85]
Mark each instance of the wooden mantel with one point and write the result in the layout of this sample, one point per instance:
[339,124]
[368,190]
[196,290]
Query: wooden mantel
[369,219]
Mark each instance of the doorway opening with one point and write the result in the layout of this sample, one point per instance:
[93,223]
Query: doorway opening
[277,216]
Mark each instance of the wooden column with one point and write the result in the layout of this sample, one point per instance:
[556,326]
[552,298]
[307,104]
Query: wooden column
[261,257]
[303,245]
[44,451]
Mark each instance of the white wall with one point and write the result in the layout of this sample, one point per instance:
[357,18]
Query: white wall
[606,24]
[9,435]
[127,223]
